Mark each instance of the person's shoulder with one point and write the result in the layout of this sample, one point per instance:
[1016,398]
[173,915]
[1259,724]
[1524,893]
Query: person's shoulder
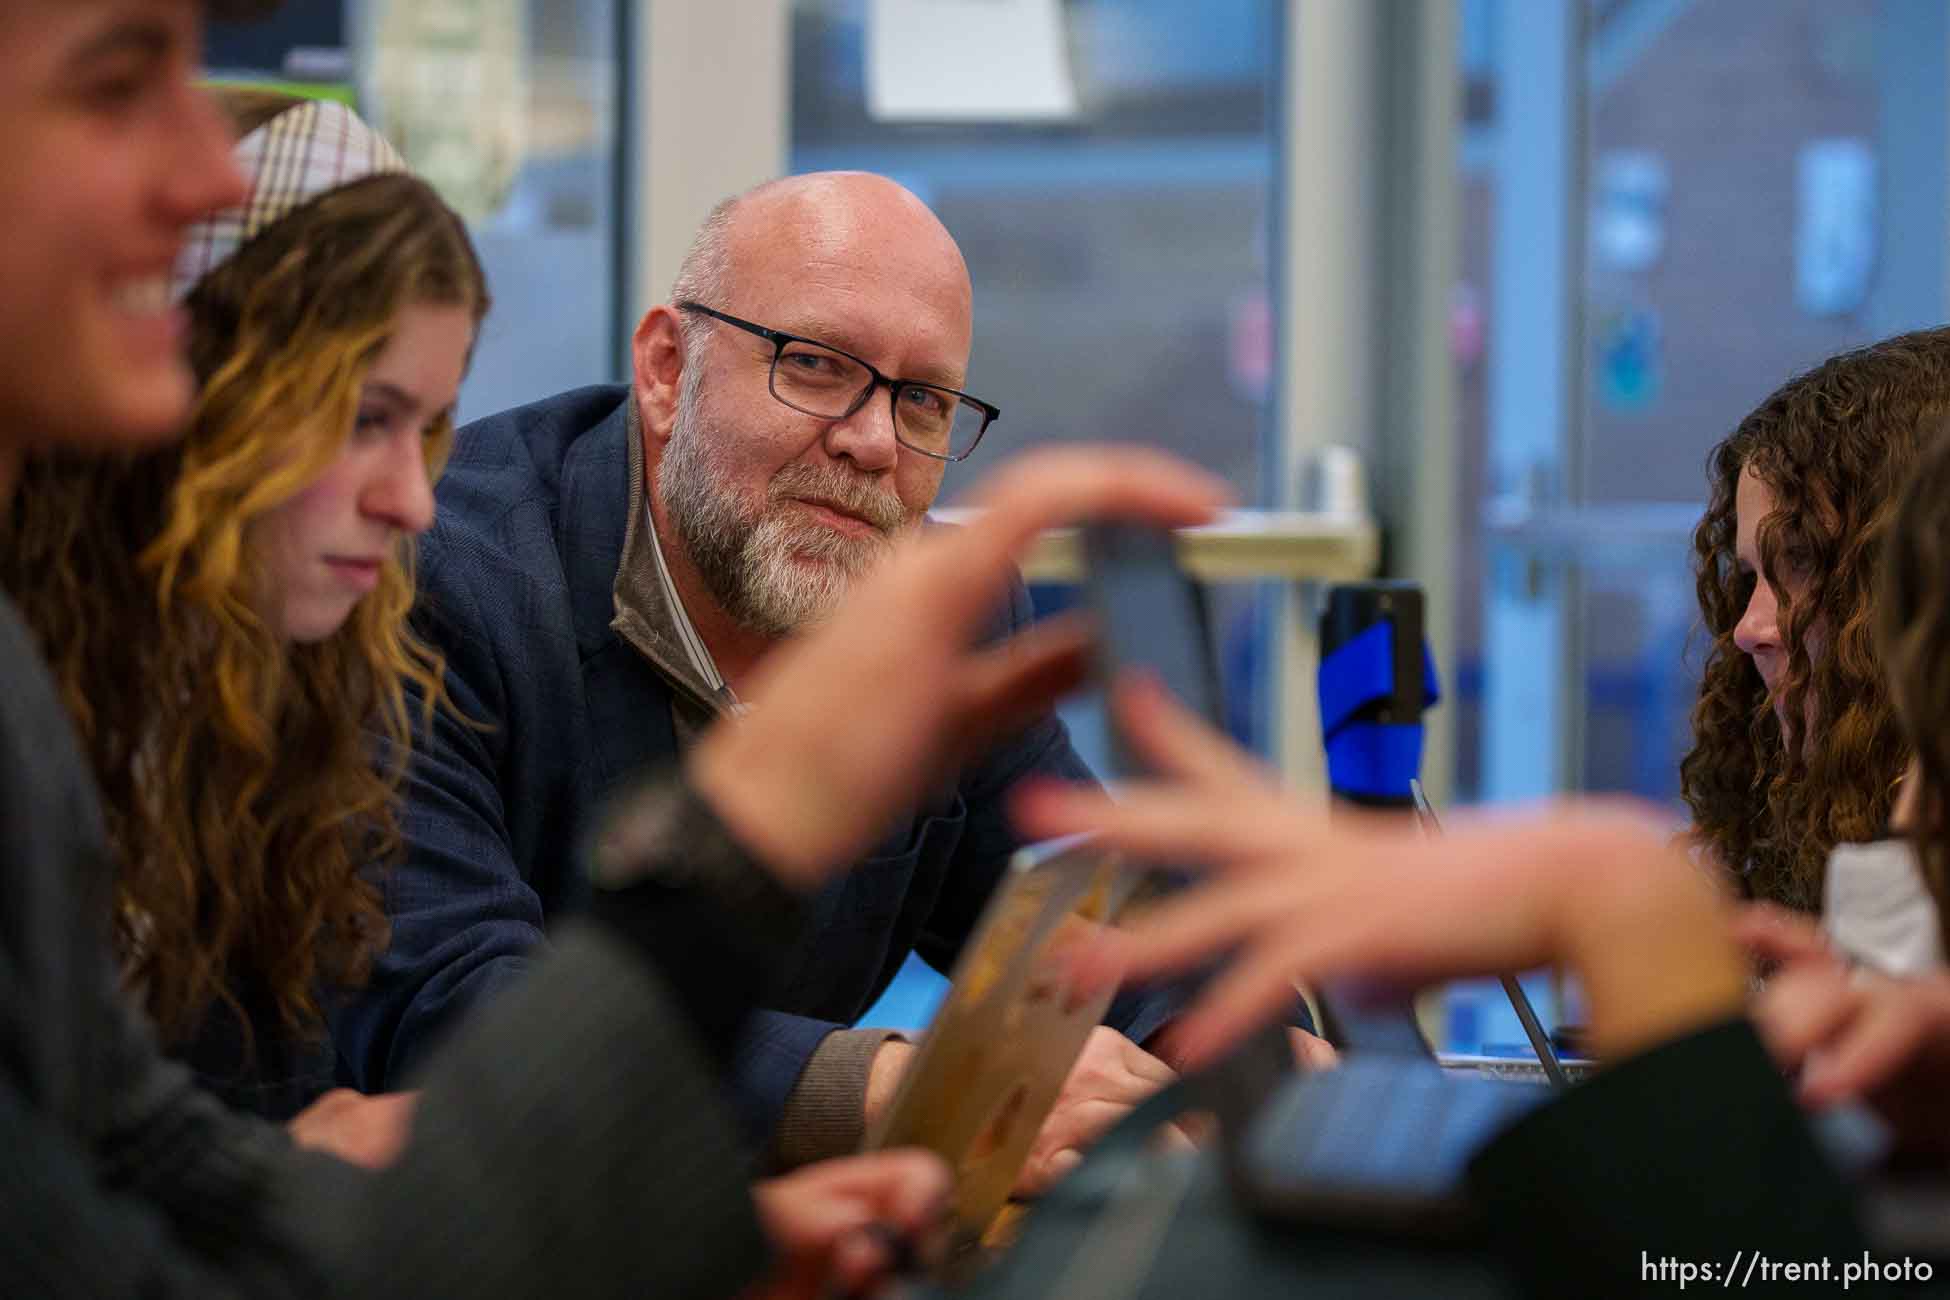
[45,777]
[515,458]
[553,422]
[503,479]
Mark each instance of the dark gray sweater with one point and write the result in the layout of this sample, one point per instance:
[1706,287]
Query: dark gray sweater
[570,1143]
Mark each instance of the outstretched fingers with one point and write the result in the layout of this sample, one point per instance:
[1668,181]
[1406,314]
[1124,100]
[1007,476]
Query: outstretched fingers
[1178,824]
[1177,742]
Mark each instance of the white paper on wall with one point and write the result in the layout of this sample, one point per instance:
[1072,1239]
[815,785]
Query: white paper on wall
[968,60]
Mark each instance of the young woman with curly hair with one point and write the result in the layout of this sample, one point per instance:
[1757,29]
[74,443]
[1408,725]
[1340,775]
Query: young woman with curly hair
[1796,748]
[226,616]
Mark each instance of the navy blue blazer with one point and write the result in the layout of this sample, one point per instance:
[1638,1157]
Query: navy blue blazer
[515,589]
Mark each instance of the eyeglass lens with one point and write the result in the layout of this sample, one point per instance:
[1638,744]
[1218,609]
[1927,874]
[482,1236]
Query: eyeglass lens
[827,384]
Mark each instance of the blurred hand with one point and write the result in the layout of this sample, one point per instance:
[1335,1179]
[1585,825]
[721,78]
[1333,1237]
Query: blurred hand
[361,1130]
[1295,895]
[1312,1052]
[1776,937]
[884,1076]
[834,1224]
[1110,1078]
[1856,1035]
[1113,1076]
[1108,1081]
[864,714]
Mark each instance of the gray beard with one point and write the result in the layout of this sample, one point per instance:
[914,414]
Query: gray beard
[771,570]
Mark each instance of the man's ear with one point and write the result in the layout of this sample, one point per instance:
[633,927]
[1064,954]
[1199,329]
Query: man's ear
[657,363]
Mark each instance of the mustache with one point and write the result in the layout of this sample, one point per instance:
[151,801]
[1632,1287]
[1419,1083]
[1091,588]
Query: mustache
[851,492]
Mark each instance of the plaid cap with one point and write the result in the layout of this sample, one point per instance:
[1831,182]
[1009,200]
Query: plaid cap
[303,152]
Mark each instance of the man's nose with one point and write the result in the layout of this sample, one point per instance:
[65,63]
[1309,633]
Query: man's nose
[867,437]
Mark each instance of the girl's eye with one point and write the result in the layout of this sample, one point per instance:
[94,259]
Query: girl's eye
[369,424]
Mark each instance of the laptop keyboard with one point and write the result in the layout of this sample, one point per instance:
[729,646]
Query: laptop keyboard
[1382,1123]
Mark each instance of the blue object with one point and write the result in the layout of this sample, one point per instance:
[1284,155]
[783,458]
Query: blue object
[1371,759]
[1358,672]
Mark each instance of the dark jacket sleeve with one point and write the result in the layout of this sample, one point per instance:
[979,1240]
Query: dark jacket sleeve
[168,1199]
[60,1218]
[1694,1152]
[571,1141]
[464,922]
[565,1141]
[770,1059]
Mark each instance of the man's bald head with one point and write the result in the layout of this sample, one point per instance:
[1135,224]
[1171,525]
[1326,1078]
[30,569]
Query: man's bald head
[820,213]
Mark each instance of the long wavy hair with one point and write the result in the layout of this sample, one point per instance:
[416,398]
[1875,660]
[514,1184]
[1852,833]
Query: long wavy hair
[1915,639]
[1833,446]
[249,783]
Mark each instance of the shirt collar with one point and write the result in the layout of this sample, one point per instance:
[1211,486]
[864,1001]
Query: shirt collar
[693,645]
[650,613]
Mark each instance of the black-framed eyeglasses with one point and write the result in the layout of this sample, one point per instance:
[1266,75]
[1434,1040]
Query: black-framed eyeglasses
[830,383]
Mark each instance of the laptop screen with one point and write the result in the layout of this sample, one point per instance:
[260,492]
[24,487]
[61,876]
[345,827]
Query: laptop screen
[1533,1028]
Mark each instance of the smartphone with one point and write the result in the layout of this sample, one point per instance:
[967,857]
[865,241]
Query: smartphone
[1150,615]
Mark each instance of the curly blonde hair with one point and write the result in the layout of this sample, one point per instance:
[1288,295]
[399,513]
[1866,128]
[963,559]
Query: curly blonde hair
[1914,601]
[1833,446]
[249,784]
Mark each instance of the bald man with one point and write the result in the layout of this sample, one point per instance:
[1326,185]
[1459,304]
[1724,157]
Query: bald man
[609,572]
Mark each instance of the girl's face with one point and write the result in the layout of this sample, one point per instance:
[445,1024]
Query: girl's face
[1759,634]
[326,547]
